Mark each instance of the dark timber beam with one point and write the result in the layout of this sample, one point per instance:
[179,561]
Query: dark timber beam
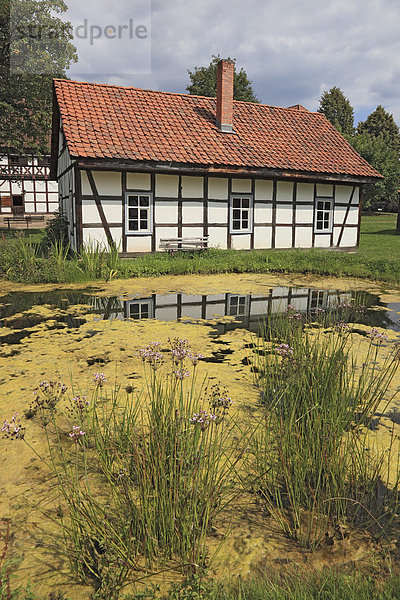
[103,219]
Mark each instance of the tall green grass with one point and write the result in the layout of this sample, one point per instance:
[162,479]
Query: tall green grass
[376,259]
[317,472]
[142,476]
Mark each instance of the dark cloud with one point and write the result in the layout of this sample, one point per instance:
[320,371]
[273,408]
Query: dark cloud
[292,50]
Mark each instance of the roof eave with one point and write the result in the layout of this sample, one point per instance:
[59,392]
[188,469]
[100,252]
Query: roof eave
[218,170]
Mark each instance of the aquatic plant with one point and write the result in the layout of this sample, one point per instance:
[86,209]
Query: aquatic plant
[312,453]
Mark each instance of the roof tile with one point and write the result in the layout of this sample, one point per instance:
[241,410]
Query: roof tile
[103,121]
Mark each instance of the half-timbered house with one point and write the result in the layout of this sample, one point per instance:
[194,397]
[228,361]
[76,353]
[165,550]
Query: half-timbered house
[26,189]
[136,166]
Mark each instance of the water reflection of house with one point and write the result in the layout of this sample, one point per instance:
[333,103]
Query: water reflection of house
[246,309]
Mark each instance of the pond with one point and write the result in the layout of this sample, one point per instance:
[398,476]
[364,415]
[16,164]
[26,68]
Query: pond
[21,311]
[71,333]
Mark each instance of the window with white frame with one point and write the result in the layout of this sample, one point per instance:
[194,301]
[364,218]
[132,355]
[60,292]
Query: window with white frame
[323,215]
[241,214]
[139,213]
[140,309]
[238,306]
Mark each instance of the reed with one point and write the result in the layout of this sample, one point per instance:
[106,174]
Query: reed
[312,454]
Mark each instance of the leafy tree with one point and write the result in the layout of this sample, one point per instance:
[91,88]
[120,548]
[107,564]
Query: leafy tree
[204,82]
[381,123]
[338,110]
[35,46]
[385,159]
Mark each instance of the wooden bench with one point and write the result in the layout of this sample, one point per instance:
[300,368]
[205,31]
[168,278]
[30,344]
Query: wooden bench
[183,244]
[26,219]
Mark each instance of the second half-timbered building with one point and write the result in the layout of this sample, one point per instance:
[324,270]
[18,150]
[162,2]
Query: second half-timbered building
[136,166]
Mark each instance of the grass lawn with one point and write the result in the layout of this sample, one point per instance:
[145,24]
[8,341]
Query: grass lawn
[378,258]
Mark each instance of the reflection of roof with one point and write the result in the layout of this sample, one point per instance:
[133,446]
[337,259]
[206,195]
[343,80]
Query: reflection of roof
[110,122]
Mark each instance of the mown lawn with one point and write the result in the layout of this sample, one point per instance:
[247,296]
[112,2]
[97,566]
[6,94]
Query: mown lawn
[378,258]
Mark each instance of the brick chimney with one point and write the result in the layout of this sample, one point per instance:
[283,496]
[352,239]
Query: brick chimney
[225,72]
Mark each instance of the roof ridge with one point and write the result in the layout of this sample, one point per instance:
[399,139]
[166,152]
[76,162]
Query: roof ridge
[130,87]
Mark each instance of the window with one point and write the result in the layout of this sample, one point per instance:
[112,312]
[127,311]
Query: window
[238,306]
[139,213]
[241,214]
[140,309]
[318,299]
[324,215]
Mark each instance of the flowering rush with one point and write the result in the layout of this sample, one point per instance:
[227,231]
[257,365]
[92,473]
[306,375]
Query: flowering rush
[285,351]
[80,403]
[180,349]
[377,336]
[152,355]
[181,374]
[203,420]
[76,433]
[342,327]
[13,429]
[100,379]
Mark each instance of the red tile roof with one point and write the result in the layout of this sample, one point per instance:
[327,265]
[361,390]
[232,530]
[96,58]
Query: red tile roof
[110,122]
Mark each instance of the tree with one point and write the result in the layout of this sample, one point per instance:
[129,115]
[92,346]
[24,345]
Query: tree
[204,82]
[35,46]
[338,110]
[381,123]
[385,159]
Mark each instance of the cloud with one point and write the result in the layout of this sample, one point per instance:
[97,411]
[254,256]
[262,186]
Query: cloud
[292,50]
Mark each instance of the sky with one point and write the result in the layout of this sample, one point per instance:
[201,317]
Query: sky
[292,50]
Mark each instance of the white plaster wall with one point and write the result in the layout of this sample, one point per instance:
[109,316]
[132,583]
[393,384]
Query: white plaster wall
[165,300]
[40,186]
[349,239]
[241,185]
[305,192]
[284,191]
[322,240]
[356,197]
[41,207]
[192,187]
[90,214]
[217,237]
[353,216]
[262,213]
[192,212]
[241,241]
[28,185]
[93,235]
[166,314]
[138,243]
[280,291]
[284,213]
[264,189]
[29,207]
[217,212]
[166,211]
[215,310]
[138,181]
[305,214]
[279,306]
[262,237]
[283,237]
[343,193]
[167,186]
[324,189]
[165,232]
[300,303]
[217,188]
[339,214]
[108,183]
[303,237]
[192,232]
[336,233]
[192,312]
[191,298]
[259,307]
